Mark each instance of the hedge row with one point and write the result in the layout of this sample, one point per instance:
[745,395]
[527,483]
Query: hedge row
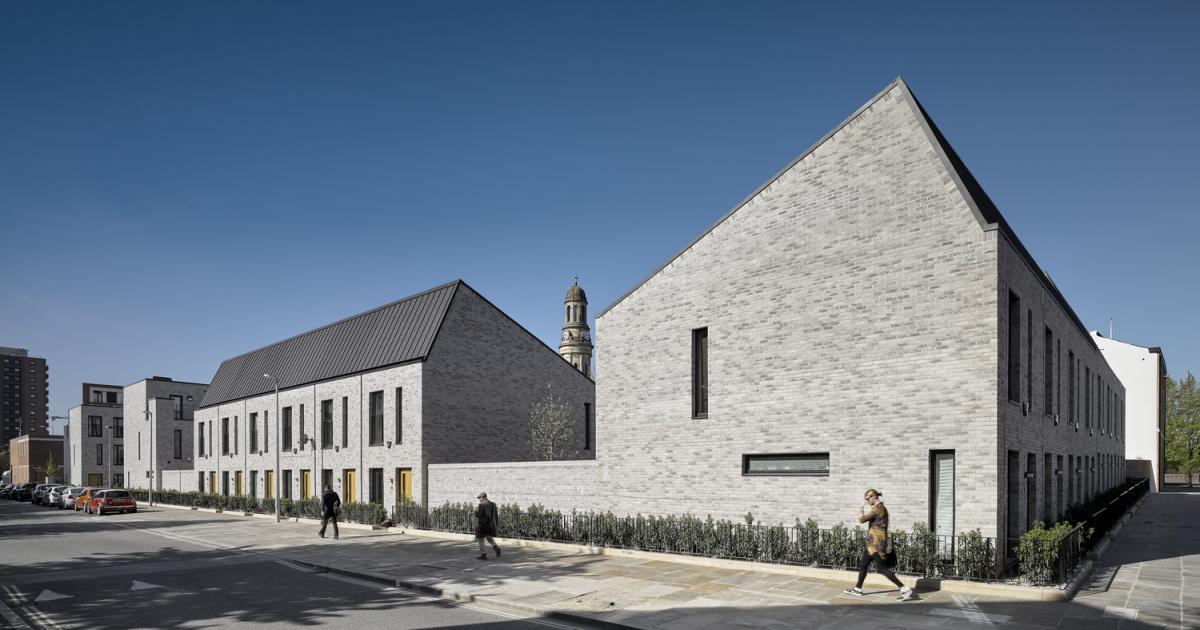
[365,513]
[919,552]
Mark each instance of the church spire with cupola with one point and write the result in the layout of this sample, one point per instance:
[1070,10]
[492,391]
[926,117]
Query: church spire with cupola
[576,344]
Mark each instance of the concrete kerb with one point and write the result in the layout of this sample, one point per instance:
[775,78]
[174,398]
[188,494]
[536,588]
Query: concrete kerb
[1012,591]
[1085,572]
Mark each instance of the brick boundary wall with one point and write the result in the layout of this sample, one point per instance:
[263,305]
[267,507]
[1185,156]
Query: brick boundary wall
[559,485]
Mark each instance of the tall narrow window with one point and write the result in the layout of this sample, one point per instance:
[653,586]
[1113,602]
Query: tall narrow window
[375,410]
[941,504]
[1014,347]
[1071,418]
[345,422]
[99,454]
[1048,374]
[700,373]
[1087,398]
[1029,361]
[287,428]
[200,454]
[327,423]
[235,435]
[178,444]
[253,433]
[118,453]
[587,426]
[399,415]
[95,426]
[266,430]
[224,436]
[118,427]
[1058,380]
[376,486]
[302,434]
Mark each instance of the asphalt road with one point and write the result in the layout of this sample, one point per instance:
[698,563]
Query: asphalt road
[62,569]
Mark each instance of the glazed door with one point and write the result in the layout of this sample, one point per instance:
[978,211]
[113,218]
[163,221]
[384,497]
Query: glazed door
[305,484]
[237,483]
[269,486]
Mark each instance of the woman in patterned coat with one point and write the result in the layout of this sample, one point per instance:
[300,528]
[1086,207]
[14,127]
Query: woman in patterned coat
[876,516]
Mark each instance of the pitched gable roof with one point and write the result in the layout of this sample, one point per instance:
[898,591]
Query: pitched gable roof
[981,205]
[394,333]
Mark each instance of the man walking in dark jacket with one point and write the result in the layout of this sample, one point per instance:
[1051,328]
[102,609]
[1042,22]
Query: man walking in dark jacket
[485,525]
[331,504]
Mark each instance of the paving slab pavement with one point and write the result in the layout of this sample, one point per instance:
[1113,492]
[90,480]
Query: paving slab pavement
[1137,585]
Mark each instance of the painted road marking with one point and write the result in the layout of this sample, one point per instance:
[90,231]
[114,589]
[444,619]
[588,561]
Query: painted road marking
[1117,612]
[49,596]
[138,585]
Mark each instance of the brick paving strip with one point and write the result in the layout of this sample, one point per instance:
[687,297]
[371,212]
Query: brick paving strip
[645,591]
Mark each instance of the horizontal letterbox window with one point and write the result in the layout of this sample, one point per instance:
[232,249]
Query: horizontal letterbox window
[786,464]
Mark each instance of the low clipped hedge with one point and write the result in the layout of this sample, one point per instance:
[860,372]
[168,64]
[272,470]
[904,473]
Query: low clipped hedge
[364,513]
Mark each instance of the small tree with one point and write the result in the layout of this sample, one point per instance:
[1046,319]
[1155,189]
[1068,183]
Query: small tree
[1183,425]
[51,468]
[550,425]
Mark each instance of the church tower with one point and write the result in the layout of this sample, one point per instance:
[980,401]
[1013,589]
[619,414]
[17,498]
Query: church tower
[576,344]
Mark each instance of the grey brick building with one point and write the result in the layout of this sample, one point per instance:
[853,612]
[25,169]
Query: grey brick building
[95,437]
[866,318]
[366,404]
[159,431]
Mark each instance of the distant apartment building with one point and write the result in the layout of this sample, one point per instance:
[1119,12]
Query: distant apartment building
[95,437]
[365,405]
[30,456]
[1142,371]
[24,394]
[160,430]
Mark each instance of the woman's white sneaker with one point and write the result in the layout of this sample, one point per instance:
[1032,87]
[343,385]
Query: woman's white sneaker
[853,590]
[905,594]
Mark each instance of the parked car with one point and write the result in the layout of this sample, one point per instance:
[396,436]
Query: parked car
[112,501]
[23,492]
[81,502]
[5,489]
[54,497]
[39,492]
[69,495]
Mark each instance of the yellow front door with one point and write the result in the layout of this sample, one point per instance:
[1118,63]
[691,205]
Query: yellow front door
[349,486]
[237,483]
[95,479]
[212,482]
[269,480]
[305,484]
[403,485]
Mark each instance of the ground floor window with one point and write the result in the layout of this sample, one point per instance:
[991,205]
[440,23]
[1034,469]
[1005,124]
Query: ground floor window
[95,479]
[118,480]
[814,464]
[941,499]
[225,482]
[326,478]
[376,486]
[287,484]
[200,481]
[254,484]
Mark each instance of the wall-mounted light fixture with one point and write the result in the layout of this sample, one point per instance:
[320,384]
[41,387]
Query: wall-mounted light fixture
[389,444]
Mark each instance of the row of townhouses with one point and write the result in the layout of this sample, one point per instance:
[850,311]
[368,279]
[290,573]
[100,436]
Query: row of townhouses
[866,318]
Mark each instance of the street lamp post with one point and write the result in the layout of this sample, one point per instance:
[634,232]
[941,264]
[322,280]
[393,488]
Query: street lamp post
[108,457]
[277,443]
[153,435]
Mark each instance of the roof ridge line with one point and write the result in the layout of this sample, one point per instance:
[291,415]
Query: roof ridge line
[344,319]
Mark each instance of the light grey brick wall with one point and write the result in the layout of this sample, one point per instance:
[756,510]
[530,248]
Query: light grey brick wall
[851,309]
[141,417]
[83,446]
[559,485]
[350,450]
[1026,428]
[469,401]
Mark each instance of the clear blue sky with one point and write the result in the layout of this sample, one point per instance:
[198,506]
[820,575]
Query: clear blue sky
[182,182]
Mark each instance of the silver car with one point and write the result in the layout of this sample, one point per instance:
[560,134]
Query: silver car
[54,497]
[69,495]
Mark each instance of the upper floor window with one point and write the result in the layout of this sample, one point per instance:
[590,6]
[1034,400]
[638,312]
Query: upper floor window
[118,427]
[1048,375]
[1014,347]
[700,373]
[95,426]
[327,423]
[286,418]
[375,409]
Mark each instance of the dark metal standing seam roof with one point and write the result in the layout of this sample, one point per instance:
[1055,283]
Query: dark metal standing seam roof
[394,333]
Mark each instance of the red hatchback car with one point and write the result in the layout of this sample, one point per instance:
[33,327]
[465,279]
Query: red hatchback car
[107,501]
